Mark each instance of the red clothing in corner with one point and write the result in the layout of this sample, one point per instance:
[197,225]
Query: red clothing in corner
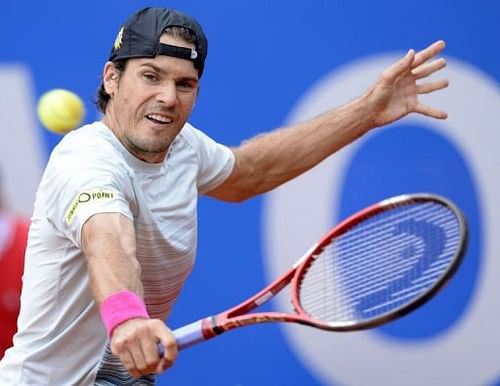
[11,271]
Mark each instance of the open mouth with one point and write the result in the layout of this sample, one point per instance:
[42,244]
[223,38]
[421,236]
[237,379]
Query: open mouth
[159,119]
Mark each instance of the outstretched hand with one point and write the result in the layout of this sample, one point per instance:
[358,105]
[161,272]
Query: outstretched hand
[395,94]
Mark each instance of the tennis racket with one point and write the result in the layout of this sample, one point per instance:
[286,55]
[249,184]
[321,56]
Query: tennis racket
[375,266]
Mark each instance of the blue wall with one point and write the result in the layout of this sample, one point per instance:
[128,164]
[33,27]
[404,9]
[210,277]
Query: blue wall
[266,60]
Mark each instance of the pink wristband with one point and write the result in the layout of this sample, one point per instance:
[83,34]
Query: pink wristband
[120,307]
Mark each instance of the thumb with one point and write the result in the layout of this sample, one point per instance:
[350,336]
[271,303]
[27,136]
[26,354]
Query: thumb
[167,347]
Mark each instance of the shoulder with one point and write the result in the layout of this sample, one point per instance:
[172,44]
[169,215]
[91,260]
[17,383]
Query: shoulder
[193,136]
[89,146]
[85,154]
[201,143]
[94,136]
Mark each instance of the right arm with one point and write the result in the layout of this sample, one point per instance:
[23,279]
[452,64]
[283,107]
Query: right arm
[108,242]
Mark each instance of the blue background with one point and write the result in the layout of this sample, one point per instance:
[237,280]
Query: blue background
[263,57]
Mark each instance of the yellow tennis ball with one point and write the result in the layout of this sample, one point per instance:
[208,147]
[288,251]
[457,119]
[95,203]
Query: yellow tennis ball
[60,110]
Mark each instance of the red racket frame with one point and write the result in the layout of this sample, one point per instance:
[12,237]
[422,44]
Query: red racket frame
[239,315]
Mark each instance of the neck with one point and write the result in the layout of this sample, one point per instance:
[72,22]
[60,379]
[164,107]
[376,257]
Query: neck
[111,123]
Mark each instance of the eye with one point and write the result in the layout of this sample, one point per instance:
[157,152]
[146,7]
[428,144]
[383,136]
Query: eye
[150,77]
[186,85]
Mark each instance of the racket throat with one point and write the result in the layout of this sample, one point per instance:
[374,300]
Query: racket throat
[209,327]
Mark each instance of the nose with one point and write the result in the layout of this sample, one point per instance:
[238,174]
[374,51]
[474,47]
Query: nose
[167,94]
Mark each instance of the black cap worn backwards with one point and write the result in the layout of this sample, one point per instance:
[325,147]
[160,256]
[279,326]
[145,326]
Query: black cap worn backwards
[140,37]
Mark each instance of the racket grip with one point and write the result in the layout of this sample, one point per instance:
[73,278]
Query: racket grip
[189,335]
[186,336]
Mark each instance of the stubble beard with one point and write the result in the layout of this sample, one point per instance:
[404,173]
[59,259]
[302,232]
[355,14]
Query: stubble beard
[147,146]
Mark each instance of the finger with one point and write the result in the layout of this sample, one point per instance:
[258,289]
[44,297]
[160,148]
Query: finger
[427,88]
[139,359]
[164,362]
[170,352]
[170,349]
[430,111]
[399,68]
[429,52]
[120,347]
[129,364]
[151,354]
[428,68]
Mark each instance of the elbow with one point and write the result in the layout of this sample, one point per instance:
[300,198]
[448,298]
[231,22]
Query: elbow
[242,196]
[233,195]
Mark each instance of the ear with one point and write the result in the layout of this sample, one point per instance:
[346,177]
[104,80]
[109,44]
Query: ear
[110,77]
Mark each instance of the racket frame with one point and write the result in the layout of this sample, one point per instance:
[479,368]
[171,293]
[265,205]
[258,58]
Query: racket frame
[358,217]
[239,315]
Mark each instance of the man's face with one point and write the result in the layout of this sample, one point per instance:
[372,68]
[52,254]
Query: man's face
[151,101]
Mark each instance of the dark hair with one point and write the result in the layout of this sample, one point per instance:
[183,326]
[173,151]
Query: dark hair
[182,33]
[102,97]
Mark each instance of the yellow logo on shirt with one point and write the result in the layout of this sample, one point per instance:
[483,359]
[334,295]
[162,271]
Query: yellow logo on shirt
[85,197]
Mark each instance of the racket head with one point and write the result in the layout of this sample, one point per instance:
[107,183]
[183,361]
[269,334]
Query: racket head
[381,263]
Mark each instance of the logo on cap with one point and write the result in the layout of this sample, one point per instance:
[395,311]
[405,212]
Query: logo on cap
[118,40]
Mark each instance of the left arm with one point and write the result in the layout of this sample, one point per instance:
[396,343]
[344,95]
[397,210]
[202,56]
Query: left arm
[269,160]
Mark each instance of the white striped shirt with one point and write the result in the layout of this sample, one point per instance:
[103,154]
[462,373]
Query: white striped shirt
[61,337]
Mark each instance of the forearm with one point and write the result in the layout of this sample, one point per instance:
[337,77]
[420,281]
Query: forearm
[108,242]
[269,160]
[109,246]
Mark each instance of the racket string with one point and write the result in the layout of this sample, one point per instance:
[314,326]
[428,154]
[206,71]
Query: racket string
[380,263]
[375,289]
[372,249]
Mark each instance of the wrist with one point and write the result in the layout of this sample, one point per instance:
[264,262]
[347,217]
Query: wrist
[367,107]
[120,307]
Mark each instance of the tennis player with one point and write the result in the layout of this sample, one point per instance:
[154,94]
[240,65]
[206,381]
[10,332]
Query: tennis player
[113,234]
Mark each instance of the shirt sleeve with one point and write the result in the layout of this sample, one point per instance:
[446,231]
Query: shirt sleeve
[74,194]
[216,161]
